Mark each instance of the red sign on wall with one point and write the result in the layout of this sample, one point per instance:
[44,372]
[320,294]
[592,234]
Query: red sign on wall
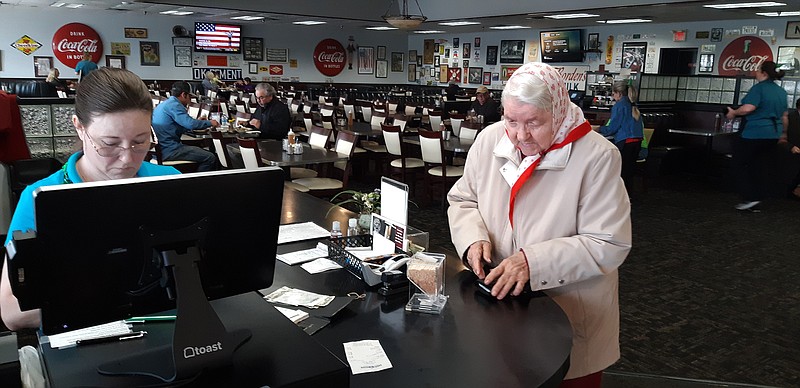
[744,56]
[275,69]
[72,40]
[329,57]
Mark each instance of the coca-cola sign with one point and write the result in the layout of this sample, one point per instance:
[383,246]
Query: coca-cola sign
[744,56]
[329,57]
[72,40]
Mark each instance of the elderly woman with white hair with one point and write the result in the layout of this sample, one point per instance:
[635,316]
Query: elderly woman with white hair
[541,203]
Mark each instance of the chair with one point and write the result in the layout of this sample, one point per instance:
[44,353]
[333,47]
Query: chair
[24,172]
[252,160]
[318,138]
[432,150]
[241,107]
[400,121]
[308,121]
[184,166]
[326,111]
[455,122]
[392,107]
[435,120]
[366,112]
[345,144]
[392,136]
[378,118]
[469,130]
[220,148]
[349,110]
[410,109]
[205,111]
[307,107]
[193,110]
[243,118]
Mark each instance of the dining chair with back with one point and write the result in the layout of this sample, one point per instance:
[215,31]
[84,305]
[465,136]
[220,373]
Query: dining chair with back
[432,151]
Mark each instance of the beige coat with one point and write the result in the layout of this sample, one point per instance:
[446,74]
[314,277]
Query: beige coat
[572,220]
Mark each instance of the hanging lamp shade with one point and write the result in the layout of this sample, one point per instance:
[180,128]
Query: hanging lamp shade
[404,20]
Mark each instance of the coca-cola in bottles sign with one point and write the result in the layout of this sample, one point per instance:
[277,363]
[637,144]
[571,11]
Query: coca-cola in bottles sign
[72,40]
[744,56]
[329,57]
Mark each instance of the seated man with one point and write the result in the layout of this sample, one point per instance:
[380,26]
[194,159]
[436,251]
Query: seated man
[485,105]
[171,120]
[272,116]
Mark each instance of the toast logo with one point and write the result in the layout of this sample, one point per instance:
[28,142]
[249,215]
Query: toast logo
[193,351]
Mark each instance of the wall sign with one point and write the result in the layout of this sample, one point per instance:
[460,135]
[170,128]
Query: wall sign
[743,56]
[792,30]
[253,49]
[199,73]
[329,57]
[275,69]
[26,45]
[72,40]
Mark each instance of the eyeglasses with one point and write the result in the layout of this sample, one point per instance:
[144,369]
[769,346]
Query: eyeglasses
[261,97]
[114,151]
[516,125]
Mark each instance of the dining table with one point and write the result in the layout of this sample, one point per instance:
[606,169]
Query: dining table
[272,154]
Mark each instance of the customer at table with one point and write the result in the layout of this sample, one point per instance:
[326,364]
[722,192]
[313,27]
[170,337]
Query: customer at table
[792,143]
[541,199]
[764,107]
[627,128]
[209,82]
[112,118]
[59,84]
[85,66]
[248,86]
[485,105]
[171,120]
[452,90]
[272,116]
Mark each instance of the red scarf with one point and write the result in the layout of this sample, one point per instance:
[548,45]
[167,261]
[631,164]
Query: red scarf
[575,134]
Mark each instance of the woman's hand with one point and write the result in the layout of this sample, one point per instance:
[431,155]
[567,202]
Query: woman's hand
[479,252]
[510,276]
[731,114]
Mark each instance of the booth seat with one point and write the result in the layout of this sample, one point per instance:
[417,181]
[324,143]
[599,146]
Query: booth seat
[28,88]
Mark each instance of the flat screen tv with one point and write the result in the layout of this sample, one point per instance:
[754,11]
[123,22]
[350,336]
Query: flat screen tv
[217,38]
[561,46]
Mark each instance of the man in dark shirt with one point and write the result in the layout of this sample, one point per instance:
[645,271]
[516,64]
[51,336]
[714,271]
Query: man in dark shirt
[272,116]
[485,105]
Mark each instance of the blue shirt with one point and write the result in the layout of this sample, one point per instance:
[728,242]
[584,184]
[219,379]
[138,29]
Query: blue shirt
[24,218]
[766,122]
[170,121]
[85,67]
[622,124]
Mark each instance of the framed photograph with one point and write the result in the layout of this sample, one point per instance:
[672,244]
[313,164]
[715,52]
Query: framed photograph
[252,67]
[441,49]
[397,62]
[716,34]
[412,72]
[507,71]
[412,56]
[122,48]
[465,63]
[466,50]
[381,52]
[491,55]
[42,66]
[634,55]
[475,75]
[478,41]
[366,60]
[495,77]
[183,56]
[253,49]
[432,72]
[447,53]
[427,51]
[455,42]
[118,61]
[487,78]
[136,33]
[436,47]
[419,60]
[706,63]
[436,60]
[381,69]
[702,34]
[149,54]
[788,59]
[443,73]
[512,51]
[593,42]
[277,55]
[454,74]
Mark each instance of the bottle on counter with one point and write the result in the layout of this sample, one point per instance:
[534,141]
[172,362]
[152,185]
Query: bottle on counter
[336,230]
[717,122]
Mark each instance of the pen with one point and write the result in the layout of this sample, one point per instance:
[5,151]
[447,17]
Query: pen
[111,338]
[151,318]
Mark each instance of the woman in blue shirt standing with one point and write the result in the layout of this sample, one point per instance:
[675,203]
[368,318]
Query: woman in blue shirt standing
[767,118]
[626,126]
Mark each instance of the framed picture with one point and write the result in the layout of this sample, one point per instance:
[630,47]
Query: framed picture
[441,49]
[706,63]
[427,51]
[149,54]
[634,55]
[136,33]
[491,55]
[475,75]
[455,42]
[788,59]
[42,66]
[432,72]
[412,72]
[381,52]
[277,55]
[593,43]
[443,73]
[487,78]
[454,74]
[716,34]
[183,56]
[447,53]
[702,34]
[381,69]
[118,61]
[436,60]
[436,48]
[507,71]
[465,51]
[253,49]
[412,56]
[366,60]
[512,51]
[792,30]
[477,42]
[182,41]
[465,63]
[252,67]
[122,48]
[397,62]
[419,60]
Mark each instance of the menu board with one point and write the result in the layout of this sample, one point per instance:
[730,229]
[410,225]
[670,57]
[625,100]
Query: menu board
[253,49]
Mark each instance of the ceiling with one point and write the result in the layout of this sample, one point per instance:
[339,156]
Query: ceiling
[367,13]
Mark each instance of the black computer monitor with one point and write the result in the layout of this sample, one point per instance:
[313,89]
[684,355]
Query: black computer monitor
[110,250]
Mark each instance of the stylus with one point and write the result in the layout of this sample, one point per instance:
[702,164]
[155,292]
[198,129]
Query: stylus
[111,338]
[151,318]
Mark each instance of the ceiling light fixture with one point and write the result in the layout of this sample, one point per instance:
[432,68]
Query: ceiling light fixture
[572,16]
[59,4]
[248,18]
[745,5]
[779,14]
[74,5]
[309,22]
[623,21]
[381,28]
[428,32]
[404,20]
[176,13]
[457,24]
[508,27]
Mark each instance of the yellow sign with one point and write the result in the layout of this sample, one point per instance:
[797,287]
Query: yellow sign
[26,44]
[120,48]
[293,63]
[262,69]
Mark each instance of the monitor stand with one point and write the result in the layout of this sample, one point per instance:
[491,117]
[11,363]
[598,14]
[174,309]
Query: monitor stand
[200,340]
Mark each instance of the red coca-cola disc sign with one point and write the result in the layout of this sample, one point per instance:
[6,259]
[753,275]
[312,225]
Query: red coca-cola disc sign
[329,57]
[72,40]
[744,56]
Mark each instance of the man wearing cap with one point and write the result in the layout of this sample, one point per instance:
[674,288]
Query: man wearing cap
[485,105]
[171,120]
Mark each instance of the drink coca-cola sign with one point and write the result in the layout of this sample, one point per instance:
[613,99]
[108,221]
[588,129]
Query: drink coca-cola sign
[72,40]
[329,57]
[744,56]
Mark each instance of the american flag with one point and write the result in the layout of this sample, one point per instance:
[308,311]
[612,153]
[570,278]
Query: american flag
[215,36]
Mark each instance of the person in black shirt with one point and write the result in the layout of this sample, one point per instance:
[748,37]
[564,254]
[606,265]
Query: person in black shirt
[272,116]
[486,106]
[452,90]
